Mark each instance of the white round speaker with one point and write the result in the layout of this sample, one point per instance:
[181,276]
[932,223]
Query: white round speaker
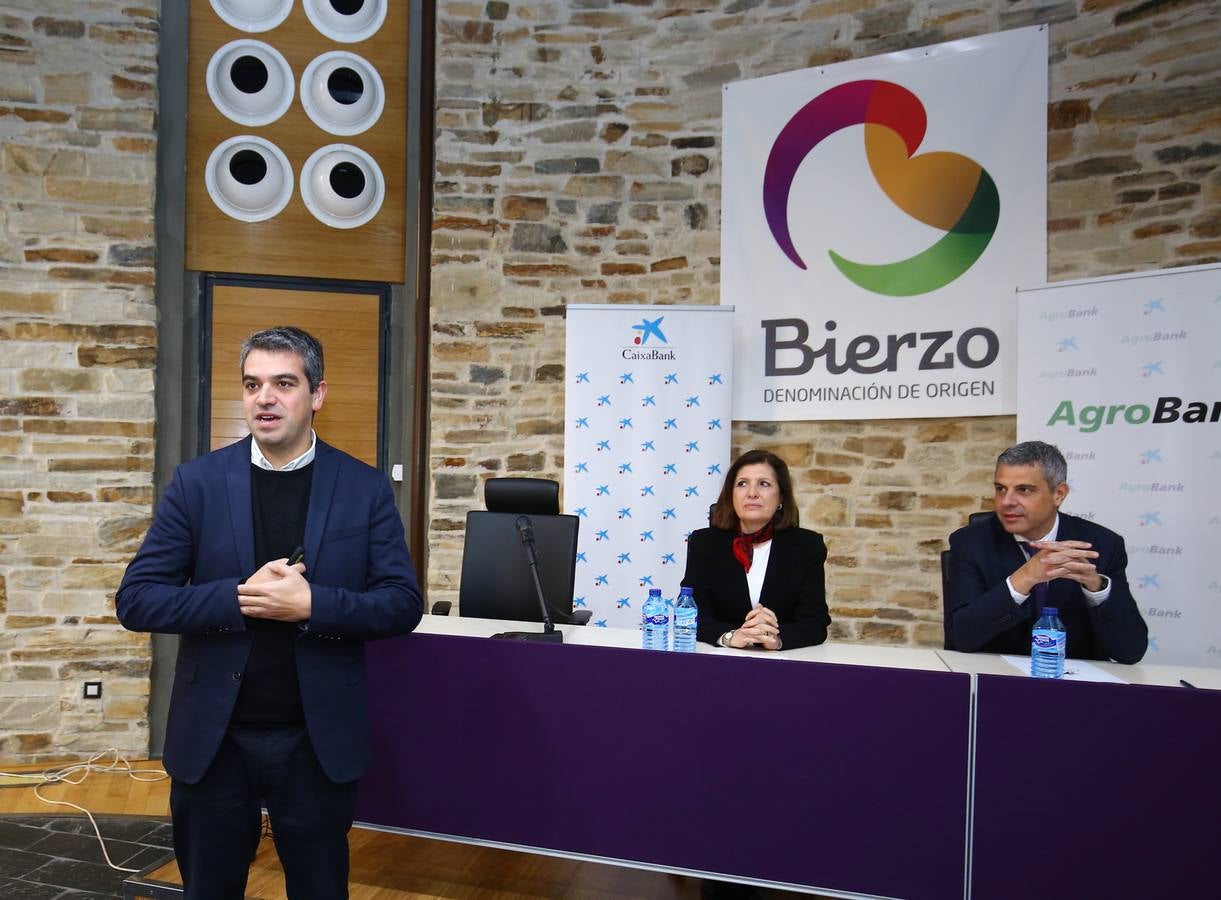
[342,93]
[253,15]
[249,178]
[342,186]
[250,82]
[346,21]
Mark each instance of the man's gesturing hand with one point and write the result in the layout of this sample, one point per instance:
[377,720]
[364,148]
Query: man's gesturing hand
[276,591]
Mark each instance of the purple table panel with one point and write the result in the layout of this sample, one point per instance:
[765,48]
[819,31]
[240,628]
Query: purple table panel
[1096,790]
[842,777]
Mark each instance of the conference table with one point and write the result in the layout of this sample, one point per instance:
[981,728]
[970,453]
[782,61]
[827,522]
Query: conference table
[844,769]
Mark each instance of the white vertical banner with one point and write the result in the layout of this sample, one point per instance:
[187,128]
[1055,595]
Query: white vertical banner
[878,215]
[646,445]
[1123,374]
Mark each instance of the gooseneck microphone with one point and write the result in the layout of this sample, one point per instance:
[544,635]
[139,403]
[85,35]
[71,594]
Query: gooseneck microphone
[525,530]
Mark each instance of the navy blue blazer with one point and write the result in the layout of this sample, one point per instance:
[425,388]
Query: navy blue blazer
[981,614]
[184,581]
[794,587]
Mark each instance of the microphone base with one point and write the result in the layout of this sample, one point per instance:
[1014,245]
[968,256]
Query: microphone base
[553,637]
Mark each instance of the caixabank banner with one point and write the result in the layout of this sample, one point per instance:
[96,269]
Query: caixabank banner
[1123,374]
[646,445]
[878,216]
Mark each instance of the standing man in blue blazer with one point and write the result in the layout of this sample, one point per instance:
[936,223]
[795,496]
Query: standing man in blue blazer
[1006,568]
[269,705]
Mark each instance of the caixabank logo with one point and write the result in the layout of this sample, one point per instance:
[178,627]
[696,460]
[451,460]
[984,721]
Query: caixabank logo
[944,190]
[641,348]
[1166,410]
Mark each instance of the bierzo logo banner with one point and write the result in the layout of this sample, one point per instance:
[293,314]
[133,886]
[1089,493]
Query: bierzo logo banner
[878,217]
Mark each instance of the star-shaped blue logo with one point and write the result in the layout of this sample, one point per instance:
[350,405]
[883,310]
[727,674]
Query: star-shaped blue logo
[649,329]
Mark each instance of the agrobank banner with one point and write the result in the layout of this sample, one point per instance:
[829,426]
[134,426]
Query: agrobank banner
[1123,374]
[878,216]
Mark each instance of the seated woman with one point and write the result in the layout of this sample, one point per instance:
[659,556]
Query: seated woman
[757,577]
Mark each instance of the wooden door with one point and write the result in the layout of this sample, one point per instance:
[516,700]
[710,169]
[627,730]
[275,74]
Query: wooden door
[349,326]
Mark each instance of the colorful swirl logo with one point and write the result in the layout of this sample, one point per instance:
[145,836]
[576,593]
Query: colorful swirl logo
[945,190]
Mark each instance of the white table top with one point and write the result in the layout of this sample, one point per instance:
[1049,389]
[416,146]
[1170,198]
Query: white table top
[1141,673]
[831,652]
[590,635]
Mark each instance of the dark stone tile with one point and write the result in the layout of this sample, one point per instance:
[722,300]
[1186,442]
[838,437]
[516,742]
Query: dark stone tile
[85,847]
[82,876]
[17,863]
[10,889]
[119,829]
[148,857]
[32,821]
[161,836]
[14,836]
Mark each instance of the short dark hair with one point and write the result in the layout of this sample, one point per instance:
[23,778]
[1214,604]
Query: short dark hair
[1047,457]
[786,516]
[288,338]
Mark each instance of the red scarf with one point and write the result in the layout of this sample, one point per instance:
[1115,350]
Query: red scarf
[744,545]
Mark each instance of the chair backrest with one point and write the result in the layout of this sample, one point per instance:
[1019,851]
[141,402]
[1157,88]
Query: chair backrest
[496,579]
[528,496]
[947,562]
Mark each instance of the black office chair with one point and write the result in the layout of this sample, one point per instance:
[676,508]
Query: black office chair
[496,581]
[522,496]
[946,564]
[946,561]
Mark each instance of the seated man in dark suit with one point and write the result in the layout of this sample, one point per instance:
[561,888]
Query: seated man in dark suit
[1006,568]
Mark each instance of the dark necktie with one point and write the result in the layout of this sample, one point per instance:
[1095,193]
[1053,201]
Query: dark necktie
[1038,593]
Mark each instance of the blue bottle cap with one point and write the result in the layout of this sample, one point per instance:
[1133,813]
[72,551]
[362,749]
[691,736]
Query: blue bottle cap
[653,591]
[1051,611]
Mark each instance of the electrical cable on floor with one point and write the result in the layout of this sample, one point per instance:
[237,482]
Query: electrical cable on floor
[105,761]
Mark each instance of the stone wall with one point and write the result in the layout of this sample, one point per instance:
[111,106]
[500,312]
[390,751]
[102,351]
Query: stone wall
[578,161]
[77,350]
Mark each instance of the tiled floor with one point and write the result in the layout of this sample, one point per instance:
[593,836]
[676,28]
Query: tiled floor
[58,858]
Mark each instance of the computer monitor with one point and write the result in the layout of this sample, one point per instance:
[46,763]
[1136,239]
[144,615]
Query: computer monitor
[496,581]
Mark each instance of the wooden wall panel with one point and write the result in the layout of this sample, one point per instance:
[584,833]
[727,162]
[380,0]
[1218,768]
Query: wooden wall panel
[347,324]
[294,243]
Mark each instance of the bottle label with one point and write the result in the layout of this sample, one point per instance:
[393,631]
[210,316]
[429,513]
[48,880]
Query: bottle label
[684,617]
[1046,640]
[662,620]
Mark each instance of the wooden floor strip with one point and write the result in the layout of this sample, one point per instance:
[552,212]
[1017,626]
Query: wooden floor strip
[385,866]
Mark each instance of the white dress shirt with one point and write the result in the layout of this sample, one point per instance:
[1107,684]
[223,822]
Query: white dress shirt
[258,459]
[758,571]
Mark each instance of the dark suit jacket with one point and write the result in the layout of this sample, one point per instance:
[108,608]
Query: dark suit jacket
[981,614]
[184,581]
[793,588]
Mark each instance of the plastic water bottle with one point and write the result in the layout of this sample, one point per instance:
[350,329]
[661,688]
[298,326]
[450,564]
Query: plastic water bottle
[655,622]
[1047,644]
[685,615]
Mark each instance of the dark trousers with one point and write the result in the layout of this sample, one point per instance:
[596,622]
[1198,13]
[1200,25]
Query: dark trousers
[217,821]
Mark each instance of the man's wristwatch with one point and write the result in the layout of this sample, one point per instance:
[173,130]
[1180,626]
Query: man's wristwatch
[726,638]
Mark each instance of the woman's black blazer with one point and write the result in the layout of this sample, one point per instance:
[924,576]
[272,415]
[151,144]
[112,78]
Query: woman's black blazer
[794,587]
